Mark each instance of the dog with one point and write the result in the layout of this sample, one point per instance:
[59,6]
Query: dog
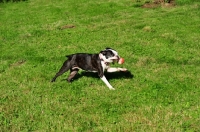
[99,63]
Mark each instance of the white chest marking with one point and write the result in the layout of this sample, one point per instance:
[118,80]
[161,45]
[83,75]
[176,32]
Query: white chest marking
[104,66]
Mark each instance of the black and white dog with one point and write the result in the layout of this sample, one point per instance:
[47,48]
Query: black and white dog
[92,63]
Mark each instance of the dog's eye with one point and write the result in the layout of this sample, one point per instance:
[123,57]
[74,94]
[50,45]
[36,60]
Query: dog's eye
[112,54]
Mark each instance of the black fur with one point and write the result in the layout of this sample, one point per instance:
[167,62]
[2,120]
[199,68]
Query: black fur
[92,63]
[84,61]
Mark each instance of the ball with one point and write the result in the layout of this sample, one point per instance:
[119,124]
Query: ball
[121,61]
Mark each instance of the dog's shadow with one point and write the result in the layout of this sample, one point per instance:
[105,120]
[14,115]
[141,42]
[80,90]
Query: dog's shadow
[113,75]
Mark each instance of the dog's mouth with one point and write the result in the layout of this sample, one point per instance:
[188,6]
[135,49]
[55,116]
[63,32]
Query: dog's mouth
[111,59]
[115,59]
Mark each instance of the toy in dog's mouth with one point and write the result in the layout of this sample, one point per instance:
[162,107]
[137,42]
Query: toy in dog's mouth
[121,61]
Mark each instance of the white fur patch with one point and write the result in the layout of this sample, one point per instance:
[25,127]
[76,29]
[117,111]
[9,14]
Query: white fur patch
[110,59]
[107,83]
[114,52]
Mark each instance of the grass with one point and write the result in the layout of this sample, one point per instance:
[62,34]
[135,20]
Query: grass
[160,47]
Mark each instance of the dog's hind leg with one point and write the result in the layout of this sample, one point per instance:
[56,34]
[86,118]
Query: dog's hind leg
[65,67]
[72,74]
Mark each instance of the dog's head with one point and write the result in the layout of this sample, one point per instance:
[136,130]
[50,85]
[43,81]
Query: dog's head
[109,55]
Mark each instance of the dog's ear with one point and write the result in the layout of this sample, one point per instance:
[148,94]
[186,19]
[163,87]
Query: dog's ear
[103,52]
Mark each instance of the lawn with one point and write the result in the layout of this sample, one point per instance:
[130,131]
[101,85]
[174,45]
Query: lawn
[161,47]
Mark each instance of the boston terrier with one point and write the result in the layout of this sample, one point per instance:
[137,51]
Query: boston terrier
[91,62]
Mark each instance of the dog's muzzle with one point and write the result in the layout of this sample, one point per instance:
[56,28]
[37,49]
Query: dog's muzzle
[114,59]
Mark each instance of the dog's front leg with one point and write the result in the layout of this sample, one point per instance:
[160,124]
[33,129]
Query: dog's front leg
[112,69]
[103,78]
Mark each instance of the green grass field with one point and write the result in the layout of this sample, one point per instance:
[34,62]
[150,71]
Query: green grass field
[161,47]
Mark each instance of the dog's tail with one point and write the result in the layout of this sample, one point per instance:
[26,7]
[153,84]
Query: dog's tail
[69,56]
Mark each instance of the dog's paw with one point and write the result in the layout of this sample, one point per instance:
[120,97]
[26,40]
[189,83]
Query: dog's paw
[112,88]
[123,69]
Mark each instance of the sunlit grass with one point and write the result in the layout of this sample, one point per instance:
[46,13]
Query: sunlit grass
[160,47]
